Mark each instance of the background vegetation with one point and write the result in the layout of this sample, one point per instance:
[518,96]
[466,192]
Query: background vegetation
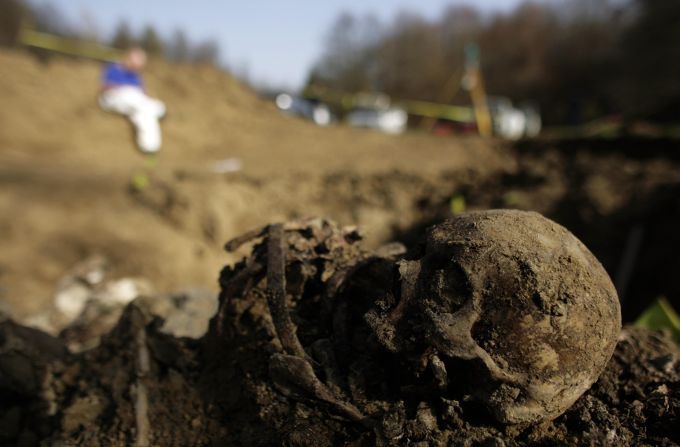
[577,60]
[44,17]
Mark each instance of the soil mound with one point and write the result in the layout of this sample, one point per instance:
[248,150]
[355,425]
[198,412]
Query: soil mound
[66,168]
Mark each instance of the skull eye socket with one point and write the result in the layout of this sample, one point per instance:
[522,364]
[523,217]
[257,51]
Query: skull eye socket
[444,284]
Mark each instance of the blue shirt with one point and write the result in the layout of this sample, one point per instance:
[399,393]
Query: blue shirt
[116,75]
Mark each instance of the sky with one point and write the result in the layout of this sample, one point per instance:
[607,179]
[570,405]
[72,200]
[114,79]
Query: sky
[274,42]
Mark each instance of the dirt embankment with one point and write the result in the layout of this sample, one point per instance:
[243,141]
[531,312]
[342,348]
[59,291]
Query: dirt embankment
[65,167]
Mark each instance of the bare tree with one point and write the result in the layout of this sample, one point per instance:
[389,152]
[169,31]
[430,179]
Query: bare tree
[48,18]
[151,41]
[123,37]
[651,48]
[579,59]
[411,58]
[12,12]
[349,53]
[177,48]
[207,52]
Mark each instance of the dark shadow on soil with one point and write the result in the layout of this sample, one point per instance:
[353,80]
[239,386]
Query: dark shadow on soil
[641,148]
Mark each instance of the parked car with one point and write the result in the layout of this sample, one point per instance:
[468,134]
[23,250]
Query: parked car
[392,120]
[314,111]
[513,123]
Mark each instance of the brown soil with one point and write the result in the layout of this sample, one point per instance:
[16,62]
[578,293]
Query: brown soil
[242,384]
[65,168]
[65,176]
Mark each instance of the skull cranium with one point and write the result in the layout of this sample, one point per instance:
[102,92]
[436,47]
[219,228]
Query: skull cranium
[517,298]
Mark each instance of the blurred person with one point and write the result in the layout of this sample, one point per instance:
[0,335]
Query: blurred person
[122,91]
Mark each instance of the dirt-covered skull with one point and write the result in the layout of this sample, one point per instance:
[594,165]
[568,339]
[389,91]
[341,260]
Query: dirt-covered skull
[516,299]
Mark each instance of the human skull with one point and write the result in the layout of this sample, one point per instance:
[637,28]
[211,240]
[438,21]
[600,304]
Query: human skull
[518,299]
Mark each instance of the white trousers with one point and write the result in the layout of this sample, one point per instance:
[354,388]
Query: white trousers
[142,110]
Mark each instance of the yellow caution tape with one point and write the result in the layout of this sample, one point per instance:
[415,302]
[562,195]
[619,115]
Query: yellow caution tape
[73,47]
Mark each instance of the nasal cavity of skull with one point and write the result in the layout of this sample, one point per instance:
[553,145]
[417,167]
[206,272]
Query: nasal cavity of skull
[465,377]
